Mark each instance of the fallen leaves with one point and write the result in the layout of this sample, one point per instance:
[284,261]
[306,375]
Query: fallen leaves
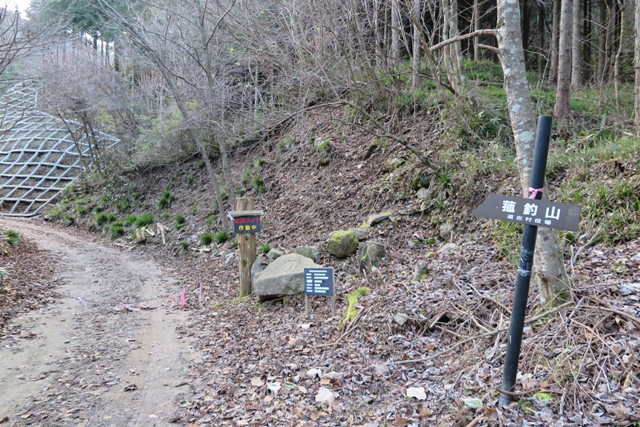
[325,395]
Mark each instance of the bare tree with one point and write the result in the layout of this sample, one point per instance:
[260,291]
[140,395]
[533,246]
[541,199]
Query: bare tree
[136,31]
[576,57]
[416,13]
[637,67]
[563,89]
[551,275]
[452,55]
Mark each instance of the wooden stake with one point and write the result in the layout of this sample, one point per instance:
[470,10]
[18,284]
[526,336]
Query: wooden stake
[246,249]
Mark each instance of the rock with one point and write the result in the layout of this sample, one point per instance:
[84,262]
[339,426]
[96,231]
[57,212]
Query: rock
[418,393]
[311,252]
[627,289]
[420,271]
[370,255]
[423,194]
[446,230]
[342,243]
[361,232]
[377,218]
[314,373]
[274,254]
[400,318]
[325,395]
[257,267]
[228,258]
[284,276]
[370,150]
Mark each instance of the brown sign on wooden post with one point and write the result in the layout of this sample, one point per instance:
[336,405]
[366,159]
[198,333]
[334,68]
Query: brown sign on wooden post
[245,215]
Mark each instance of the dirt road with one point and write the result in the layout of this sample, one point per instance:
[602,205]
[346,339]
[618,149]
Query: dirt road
[107,353]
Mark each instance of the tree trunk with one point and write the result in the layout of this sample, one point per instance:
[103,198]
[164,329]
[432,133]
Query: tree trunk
[617,65]
[563,90]
[475,22]
[452,55]
[602,41]
[416,12]
[555,36]
[637,66]
[550,273]
[377,33]
[541,38]
[576,69]
[396,23]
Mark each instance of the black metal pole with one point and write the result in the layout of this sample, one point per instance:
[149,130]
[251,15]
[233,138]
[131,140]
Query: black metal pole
[526,263]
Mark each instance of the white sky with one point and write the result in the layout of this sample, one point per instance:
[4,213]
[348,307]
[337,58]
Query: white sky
[22,4]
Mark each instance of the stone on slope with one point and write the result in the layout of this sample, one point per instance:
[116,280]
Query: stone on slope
[342,243]
[284,276]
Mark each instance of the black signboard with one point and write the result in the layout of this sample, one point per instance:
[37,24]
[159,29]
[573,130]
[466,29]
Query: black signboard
[246,224]
[541,213]
[319,281]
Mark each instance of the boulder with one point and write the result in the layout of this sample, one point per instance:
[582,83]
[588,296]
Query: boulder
[342,243]
[311,252]
[369,255]
[284,276]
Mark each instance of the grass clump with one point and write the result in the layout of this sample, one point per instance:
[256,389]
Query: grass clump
[13,237]
[180,220]
[206,238]
[101,218]
[130,220]
[116,230]
[166,199]
[221,237]
[265,248]
[145,219]
[211,219]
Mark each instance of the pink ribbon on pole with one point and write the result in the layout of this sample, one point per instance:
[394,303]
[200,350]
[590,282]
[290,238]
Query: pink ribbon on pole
[534,192]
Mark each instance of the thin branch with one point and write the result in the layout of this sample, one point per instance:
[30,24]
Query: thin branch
[485,32]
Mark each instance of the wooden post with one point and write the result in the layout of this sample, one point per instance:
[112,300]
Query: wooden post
[246,249]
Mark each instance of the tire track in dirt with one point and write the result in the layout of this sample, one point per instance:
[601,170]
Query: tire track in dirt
[95,358]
